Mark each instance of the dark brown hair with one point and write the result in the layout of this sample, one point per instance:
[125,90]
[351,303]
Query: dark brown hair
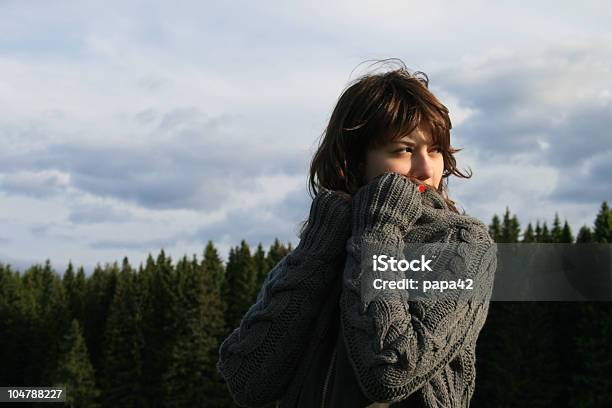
[374,109]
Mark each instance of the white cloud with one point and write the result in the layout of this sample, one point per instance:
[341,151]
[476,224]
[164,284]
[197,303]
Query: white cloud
[127,127]
[40,184]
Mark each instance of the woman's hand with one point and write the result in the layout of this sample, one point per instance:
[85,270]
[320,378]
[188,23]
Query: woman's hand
[418,183]
[390,202]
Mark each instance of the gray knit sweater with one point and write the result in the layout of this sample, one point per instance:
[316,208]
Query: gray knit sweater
[395,347]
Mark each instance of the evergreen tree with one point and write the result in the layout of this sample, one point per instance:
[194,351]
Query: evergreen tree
[75,371]
[515,229]
[122,375]
[144,281]
[240,273]
[161,319]
[28,355]
[68,281]
[17,312]
[602,231]
[216,327]
[495,229]
[564,344]
[545,237]
[54,321]
[506,227]
[78,301]
[189,380]
[75,285]
[226,291]
[591,380]
[566,234]
[592,385]
[100,290]
[529,236]
[510,229]
[261,268]
[556,231]
[585,235]
[276,252]
[538,232]
[535,382]
[213,265]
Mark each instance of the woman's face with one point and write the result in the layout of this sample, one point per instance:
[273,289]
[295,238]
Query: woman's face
[413,155]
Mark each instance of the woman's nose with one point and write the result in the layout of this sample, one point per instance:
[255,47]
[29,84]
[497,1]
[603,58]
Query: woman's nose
[421,168]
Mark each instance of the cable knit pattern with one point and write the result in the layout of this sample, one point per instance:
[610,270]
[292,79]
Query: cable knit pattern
[259,359]
[397,346]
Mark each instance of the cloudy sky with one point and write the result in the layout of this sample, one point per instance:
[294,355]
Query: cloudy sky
[142,125]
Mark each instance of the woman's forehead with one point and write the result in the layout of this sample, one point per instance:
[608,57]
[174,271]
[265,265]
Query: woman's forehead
[419,135]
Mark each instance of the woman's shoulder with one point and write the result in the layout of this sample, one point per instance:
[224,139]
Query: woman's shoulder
[471,229]
[436,223]
[435,209]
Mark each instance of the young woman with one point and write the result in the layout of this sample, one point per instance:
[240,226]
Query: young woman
[379,180]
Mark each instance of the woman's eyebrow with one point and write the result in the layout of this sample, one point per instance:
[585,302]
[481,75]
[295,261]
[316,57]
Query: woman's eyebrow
[411,142]
[408,142]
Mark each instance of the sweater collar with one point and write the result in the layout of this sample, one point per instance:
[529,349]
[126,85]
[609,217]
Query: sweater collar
[433,199]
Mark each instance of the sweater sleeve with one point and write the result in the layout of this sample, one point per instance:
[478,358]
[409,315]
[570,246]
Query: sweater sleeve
[259,358]
[396,345]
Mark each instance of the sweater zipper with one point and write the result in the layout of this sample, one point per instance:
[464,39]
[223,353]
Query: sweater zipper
[329,371]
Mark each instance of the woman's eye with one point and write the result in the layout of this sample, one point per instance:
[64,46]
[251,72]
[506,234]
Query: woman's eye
[436,149]
[404,150]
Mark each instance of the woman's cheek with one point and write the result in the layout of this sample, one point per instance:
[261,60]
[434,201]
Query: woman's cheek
[400,166]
